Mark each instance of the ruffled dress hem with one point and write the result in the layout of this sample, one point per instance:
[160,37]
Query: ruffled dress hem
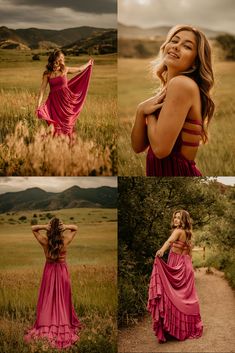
[59,337]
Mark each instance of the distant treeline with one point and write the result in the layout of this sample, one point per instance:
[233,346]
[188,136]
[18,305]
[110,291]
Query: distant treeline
[145,48]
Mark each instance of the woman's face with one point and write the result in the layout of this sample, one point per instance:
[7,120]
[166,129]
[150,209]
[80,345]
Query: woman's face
[61,58]
[181,51]
[176,220]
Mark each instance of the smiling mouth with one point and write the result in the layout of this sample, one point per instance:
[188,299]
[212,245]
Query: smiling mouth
[173,55]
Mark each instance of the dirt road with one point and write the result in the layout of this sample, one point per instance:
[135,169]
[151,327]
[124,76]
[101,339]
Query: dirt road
[217,303]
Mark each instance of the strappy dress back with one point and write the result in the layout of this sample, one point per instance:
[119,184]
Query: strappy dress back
[176,164]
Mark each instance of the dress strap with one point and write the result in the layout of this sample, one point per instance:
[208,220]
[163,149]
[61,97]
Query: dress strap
[192,132]
[191,144]
[194,121]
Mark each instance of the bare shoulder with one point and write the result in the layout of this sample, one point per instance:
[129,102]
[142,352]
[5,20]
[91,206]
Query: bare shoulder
[178,232]
[182,84]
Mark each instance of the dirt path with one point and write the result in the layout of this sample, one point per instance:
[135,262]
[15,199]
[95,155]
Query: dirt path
[217,303]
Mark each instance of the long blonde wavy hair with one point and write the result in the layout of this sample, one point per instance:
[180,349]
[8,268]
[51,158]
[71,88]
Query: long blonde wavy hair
[202,73]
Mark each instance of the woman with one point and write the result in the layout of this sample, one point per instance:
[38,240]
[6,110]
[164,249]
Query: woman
[173,301]
[56,319]
[173,123]
[66,98]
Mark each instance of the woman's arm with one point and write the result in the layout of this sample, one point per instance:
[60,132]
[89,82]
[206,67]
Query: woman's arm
[173,237]
[74,70]
[163,132]
[139,134]
[36,231]
[69,237]
[42,90]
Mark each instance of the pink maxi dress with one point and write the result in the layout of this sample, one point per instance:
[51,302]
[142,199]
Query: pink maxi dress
[56,320]
[173,301]
[65,101]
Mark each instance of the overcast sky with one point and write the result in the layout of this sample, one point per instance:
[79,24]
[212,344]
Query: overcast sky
[53,184]
[211,14]
[58,14]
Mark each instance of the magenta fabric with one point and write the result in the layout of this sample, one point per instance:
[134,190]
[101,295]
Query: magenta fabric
[173,165]
[65,101]
[56,319]
[173,301]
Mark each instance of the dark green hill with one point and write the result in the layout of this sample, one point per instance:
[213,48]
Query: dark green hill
[36,198]
[33,36]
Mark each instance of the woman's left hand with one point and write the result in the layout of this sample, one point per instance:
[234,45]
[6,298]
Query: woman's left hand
[159,253]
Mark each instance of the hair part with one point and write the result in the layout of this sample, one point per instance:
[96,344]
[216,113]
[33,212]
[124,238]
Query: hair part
[55,238]
[202,73]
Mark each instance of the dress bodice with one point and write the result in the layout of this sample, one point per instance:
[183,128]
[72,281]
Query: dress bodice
[57,82]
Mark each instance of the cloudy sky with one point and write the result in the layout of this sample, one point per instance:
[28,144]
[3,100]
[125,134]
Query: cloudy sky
[211,14]
[53,184]
[58,14]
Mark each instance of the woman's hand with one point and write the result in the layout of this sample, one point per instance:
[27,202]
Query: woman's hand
[159,253]
[152,104]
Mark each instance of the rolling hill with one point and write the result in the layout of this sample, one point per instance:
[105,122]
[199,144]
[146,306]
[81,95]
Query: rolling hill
[35,38]
[160,32]
[74,197]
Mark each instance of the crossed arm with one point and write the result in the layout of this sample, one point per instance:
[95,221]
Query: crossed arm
[161,133]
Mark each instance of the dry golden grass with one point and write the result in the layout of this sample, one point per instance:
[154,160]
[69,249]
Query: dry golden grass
[43,154]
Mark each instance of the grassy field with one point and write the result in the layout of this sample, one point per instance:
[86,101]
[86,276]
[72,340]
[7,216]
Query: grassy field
[92,261]
[135,84]
[96,128]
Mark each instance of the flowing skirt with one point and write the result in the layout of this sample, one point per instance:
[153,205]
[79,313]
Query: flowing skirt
[56,319]
[65,101]
[173,301]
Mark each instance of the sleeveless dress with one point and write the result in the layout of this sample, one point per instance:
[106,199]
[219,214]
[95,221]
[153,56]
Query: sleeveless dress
[173,301]
[56,320]
[175,164]
[65,101]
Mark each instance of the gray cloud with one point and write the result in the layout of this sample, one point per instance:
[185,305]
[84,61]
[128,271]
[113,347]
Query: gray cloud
[53,184]
[212,14]
[88,6]
[51,14]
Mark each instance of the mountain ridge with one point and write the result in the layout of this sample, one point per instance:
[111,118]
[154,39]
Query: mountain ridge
[32,37]
[75,196]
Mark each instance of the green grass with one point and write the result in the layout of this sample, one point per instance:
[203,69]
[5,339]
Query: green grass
[136,83]
[97,123]
[92,261]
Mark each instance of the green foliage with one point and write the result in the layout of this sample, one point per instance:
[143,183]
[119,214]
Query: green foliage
[227,43]
[22,218]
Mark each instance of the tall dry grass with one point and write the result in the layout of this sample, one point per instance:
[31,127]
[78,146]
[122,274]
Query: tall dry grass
[42,154]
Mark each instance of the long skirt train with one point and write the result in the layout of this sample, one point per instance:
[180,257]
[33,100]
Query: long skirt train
[173,301]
